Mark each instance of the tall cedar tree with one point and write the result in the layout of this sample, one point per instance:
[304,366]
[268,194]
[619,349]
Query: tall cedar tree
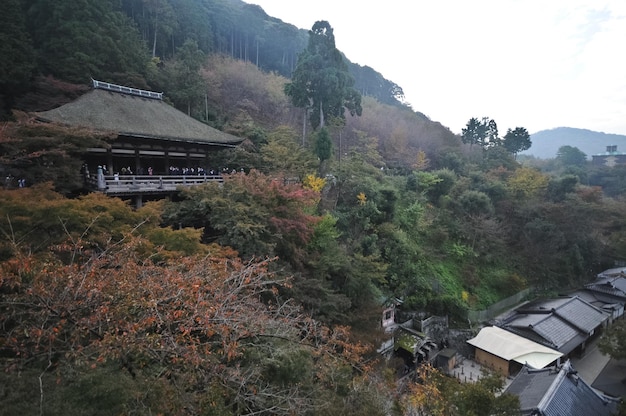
[321,81]
[517,140]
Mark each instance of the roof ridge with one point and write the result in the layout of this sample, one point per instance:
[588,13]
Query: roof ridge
[547,398]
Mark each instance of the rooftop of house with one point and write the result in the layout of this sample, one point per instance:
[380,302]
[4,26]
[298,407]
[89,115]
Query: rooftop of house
[598,299]
[135,113]
[613,284]
[611,150]
[561,323]
[558,391]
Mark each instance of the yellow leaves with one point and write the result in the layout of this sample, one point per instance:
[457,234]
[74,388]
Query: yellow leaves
[421,161]
[361,198]
[314,182]
[528,182]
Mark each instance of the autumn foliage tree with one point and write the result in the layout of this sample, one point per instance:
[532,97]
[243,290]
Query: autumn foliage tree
[199,327]
[40,152]
[256,214]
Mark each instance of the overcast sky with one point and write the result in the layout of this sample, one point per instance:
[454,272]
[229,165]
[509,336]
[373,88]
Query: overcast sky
[537,64]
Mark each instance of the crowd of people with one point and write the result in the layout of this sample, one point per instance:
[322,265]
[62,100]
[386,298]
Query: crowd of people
[172,170]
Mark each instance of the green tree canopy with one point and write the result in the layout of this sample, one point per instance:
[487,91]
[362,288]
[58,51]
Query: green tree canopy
[571,156]
[613,341]
[482,132]
[321,81]
[18,58]
[76,40]
[180,77]
[517,140]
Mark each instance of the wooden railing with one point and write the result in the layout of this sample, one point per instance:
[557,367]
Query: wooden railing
[145,184]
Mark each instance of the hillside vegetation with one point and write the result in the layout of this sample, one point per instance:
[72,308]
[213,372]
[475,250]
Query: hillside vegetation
[264,295]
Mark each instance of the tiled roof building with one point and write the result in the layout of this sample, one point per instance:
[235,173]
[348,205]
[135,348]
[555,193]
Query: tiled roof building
[558,391]
[564,324]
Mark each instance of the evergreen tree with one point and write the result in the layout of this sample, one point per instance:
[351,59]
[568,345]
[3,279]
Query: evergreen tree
[321,81]
[323,147]
[517,140]
[571,156]
[18,60]
[473,132]
[82,39]
[181,78]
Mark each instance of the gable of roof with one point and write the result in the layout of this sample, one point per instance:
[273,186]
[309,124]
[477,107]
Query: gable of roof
[512,347]
[547,330]
[581,314]
[610,284]
[558,391]
[134,115]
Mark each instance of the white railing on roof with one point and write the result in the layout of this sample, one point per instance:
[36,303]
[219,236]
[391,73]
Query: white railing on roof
[127,90]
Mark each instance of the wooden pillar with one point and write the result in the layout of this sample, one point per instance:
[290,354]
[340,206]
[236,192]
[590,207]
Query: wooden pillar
[138,163]
[110,161]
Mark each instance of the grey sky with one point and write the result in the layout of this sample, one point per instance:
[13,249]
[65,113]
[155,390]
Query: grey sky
[537,64]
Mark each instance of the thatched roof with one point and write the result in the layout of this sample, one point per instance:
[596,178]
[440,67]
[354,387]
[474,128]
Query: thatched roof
[135,116]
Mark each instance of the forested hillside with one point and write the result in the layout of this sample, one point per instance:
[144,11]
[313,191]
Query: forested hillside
[262,295]
[125,41]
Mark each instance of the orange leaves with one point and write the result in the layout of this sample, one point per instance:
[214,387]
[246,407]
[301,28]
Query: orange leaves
[213,319]
[426,397]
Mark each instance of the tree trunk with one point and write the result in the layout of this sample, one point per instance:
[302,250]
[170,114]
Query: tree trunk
[304,127]
[154,41]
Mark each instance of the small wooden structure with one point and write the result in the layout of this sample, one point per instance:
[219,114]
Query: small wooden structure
[446,360]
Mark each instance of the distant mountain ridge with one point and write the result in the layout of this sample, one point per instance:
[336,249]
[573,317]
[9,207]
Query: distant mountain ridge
[546,143]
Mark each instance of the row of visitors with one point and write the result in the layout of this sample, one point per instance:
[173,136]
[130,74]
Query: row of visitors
[172,170]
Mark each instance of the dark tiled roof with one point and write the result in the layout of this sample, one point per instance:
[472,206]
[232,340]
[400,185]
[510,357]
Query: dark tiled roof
[550,331]
[616,272]
[558,392]
[135,116]
[530,386]
[562,323]
[610,285]
[598,299]
[581,314]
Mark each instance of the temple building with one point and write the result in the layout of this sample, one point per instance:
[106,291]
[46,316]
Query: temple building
[157,149]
